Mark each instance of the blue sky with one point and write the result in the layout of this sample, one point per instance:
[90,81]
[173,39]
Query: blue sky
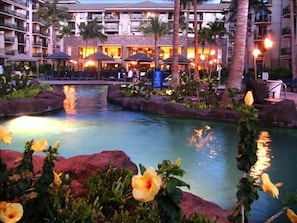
[130,1]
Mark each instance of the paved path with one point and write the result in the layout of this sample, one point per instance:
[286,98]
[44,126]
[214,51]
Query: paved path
[286,95]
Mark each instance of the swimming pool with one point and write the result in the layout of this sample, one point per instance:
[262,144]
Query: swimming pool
[89,124]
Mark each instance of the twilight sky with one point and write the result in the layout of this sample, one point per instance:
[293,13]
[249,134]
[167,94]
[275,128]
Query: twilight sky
[130,1]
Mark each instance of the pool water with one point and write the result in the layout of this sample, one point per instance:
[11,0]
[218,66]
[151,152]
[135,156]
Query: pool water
[89,124]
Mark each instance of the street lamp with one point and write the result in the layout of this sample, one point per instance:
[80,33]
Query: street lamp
[267,45]
[256,53]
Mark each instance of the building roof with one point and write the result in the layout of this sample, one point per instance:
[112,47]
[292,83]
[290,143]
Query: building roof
[142,5]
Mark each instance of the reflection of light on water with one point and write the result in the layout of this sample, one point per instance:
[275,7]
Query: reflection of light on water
[203,138]
[263,156]
[70,100]
[34,125]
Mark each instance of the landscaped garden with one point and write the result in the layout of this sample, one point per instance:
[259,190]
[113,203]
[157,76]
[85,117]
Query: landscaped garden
[120,195]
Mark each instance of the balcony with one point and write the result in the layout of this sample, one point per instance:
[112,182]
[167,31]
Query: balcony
[286,32]
[13,13]
[111,17]
[285,53]
[259,36]
[266,19]
[111,28]
[37,43]
[9,39]
[286,12]
[12,26]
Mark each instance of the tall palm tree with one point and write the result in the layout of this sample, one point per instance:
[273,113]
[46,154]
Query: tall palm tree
[218,30]
[185,4]
[205,36]
[51,15]
[293,39]
[238,57]
[156,28]
[91,30]
[65,31]
[174,69]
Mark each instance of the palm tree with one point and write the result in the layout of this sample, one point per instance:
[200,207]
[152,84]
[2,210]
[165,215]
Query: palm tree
[205,36]
[156,28]
[65,32]
[185,4]
[218,30]
[238,57]
[51,15]
[293,39]
[91,30]
[174,69]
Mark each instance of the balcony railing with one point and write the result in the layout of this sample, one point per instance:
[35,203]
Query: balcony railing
[286,11]
[285,51]
[286,31]
[263,19]
[9,39]
[13,26]
[13,13]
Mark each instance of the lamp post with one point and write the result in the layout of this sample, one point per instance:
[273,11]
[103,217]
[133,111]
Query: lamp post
[267,45]
[256,53]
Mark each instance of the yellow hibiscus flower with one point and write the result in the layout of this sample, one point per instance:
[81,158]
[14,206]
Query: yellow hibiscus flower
[40,145]
[147,186]
[57,179]
[5,136]
[57,144]
[249,99]
[10,212]
[269,187]
[291,215]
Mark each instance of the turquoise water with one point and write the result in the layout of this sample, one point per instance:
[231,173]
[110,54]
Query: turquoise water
[90,124]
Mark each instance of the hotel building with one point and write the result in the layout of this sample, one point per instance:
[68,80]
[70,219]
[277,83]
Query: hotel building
[21,33]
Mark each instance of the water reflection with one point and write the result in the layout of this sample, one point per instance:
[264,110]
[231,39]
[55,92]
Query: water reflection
[202,139]
[70,100]
[263,155]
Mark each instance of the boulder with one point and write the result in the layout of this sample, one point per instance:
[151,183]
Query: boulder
[81,167]
[44,102]
[282,114]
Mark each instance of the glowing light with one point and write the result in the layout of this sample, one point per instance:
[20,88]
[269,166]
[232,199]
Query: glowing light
[256,52]
[212,52]
[202,57]
[90,63]
[267,43]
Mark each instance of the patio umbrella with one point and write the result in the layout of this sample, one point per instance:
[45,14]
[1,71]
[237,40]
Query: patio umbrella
[139,57]
[99,56]
[181,60]
[59,56]
[22,58]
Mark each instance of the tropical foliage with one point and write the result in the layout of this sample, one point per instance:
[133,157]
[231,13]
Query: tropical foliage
[91,30]
[157,29]
[113,196]
[52,15]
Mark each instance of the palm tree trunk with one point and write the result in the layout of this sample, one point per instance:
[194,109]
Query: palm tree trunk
[156,53]
[196,44]
[175,73]
[185,48]
[293,39]
[238,57]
